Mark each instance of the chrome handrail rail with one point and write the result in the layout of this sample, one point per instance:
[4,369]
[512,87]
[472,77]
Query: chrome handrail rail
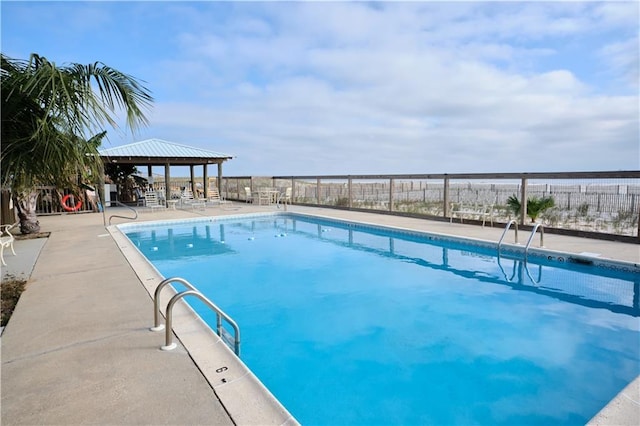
[124,217]
[506,228]
[156,299]
[169,345]
[220,314]
[533,233]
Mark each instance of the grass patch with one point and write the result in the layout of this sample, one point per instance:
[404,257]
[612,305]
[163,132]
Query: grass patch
[12,288]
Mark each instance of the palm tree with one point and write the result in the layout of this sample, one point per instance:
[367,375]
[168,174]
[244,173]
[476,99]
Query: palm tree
[53,120]
[535,205]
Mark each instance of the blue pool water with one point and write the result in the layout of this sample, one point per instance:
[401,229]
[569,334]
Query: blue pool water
[358,325]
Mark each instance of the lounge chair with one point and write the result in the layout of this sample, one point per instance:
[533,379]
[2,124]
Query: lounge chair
[152,202]
[186,197]
[6,240]
[188,200]
[213,195]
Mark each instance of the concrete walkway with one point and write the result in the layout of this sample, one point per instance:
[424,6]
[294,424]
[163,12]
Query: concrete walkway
[78,351]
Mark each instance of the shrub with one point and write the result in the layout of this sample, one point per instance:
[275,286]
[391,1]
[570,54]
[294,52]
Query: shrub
[535,205]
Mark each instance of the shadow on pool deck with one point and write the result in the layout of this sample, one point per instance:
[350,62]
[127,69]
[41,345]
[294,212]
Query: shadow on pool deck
[78,350]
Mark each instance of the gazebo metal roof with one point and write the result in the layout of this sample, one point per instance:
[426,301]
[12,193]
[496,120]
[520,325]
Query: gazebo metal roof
[159,152]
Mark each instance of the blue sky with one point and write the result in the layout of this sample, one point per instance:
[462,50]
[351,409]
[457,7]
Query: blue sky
[365,87]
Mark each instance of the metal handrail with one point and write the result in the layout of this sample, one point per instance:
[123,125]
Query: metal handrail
[156,299]
[192,290]
[169,345]
[506,228]
[124,217]
[533,233]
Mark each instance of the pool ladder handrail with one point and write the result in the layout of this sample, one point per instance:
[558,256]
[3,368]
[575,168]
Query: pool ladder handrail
[193,291]
[533,233]
[504,233]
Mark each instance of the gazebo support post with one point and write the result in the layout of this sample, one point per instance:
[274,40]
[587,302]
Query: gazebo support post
[167,183]
[220,178]
[193,183]
[205,177]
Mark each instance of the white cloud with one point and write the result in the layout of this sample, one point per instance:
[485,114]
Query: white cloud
[623,57]
[386,87]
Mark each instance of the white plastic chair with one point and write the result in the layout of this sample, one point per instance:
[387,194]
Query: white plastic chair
[6,240]
[248,195]
[214,196]
[186,197]
[264,196]
[152,202]
[140,197]
[285,197]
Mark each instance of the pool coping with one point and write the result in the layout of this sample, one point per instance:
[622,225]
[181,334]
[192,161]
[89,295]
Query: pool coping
[248,401]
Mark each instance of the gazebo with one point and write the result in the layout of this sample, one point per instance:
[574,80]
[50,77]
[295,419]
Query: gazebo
[157,152]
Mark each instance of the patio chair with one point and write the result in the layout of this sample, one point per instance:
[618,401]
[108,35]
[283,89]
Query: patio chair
[6,240]
[152,202]
[213,196]
[266,196]
[248,195]
[285,197]
[140,197]
[186,197]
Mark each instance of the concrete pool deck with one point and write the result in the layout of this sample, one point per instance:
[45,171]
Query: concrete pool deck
[78,350]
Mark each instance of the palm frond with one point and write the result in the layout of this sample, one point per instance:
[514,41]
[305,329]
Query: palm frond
[53,117]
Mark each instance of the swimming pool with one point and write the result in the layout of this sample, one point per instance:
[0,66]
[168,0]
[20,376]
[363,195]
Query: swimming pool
[350,324]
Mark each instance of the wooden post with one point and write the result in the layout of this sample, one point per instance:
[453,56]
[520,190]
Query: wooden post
[193,183]
[445,197]
[167,182]
[391,181]
[220,179]
[523,201]
[205,178]
[318,190]
[350,187]
[293,190]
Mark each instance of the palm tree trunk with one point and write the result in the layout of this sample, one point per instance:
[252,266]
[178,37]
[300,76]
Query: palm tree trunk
[26,204]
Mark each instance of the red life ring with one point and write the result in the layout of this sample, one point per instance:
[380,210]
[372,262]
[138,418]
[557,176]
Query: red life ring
[70,209]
